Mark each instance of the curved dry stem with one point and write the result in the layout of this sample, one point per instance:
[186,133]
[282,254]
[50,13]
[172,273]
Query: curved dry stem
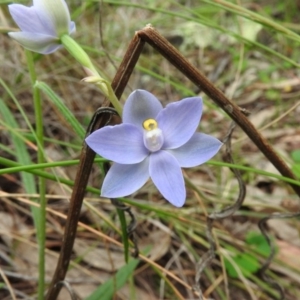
[263,228]
[206,258]
[226,212]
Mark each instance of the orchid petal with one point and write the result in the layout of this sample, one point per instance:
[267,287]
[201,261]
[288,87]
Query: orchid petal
[179,121]
[167,176]
[54,14]
[123,180]
[72,27]
[198,150]
[140,106]
[28,20]
[42,25]
[39,43]
[120,143]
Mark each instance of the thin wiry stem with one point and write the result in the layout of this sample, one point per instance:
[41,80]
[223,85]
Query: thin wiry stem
[67,286]
[41,224]
[262,226]
[226,212]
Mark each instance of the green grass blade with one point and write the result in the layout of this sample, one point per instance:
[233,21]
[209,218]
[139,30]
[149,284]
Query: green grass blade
[22,156]
[121,215]
[107,290]
[67,114]
[207,22]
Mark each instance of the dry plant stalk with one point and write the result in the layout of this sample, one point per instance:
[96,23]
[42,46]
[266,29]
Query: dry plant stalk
[158,42]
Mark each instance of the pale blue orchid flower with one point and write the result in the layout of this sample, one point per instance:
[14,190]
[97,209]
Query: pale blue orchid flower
[153,142]
[42,24]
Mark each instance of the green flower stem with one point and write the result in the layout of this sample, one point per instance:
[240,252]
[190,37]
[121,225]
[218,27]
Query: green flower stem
[41,228]
[80,55]
[114,100]
[77,52]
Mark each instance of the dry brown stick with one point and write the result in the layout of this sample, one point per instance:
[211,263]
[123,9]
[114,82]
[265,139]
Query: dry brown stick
[85,165]
[151,36]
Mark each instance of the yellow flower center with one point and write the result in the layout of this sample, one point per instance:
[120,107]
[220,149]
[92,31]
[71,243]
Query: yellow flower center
[149,124]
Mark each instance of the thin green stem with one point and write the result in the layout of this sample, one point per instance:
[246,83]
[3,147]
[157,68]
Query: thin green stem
[41,229]
[14,167]
[93,76]
[22,168]
[78,53]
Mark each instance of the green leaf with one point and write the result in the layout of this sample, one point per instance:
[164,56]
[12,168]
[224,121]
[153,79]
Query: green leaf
[247,264]
[258,240]
[108,289]
[296,156]
[230,268]
[296,170]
